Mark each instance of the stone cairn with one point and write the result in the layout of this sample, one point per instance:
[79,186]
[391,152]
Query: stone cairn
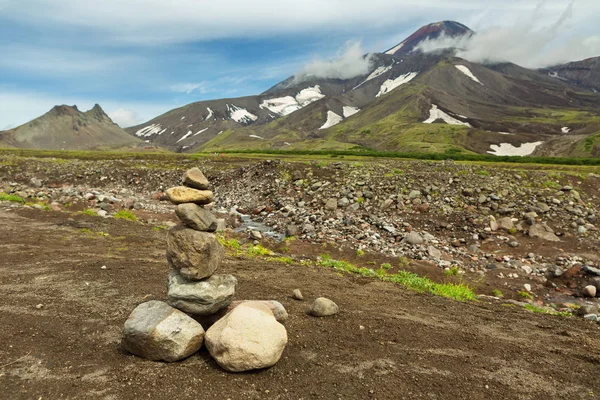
[249,336]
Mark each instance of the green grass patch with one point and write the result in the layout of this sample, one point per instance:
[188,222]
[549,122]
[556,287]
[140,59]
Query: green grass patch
[11,197]
[497,293]
[126,214]
[459,292]
[526,295]
[259,251]
[90,212]
[451,271]
[537,310]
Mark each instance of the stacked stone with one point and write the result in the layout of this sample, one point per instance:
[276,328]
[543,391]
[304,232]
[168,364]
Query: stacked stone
[194,253]
[248,337]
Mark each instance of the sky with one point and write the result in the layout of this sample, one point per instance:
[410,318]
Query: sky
[141,58]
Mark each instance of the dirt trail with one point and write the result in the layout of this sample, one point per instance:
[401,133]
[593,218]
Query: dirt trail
[412,346]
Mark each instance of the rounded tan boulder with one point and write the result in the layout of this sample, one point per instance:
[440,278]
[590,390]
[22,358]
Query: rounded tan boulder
[247,338]
[183,194]
[196,255]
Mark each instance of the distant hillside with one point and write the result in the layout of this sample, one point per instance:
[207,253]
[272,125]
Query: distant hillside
[67,128]
[585,73]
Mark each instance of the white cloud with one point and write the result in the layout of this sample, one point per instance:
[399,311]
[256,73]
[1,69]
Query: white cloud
[349,62]
[48,61]
[159,21]
[526,42]
[125,118]
[189,88]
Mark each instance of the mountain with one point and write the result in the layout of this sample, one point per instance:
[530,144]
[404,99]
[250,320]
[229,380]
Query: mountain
[408,101]
[430,32]
[67,128]
[584,74]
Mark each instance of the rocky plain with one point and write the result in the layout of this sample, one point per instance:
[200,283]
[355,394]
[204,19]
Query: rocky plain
[83,244]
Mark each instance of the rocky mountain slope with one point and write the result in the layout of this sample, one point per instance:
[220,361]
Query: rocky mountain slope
[584,74]
[409,101]
[65,127]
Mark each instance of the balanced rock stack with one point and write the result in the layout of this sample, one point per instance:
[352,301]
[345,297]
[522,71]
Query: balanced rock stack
[194,252]
[248,337]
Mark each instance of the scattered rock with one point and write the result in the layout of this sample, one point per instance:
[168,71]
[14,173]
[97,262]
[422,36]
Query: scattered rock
[203,297]
[278,310]
[157,331]
[297,295]
[183,194]
[194,178]
[196,255]
[544,232]
[247,338]
[433,252]
[196,217]
[331,205]
[589,291]
[323,307]
[413,238]
[506,224]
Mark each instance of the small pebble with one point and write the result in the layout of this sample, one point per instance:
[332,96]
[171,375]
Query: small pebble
[297,294]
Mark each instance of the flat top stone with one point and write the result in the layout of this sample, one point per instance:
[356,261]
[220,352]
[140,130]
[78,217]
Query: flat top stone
[184,194]
[194,178]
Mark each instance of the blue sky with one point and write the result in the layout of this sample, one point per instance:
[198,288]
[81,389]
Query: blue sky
[140,58]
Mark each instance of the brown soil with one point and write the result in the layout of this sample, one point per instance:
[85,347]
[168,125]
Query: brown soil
[412,345]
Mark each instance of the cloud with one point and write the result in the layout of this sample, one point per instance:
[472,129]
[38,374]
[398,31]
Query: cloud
[350,61]
[189,88]
[56,61]
[525,43]
[125,118]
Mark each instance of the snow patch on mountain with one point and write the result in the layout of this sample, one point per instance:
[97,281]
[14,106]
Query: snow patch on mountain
[288,104]
[309,95]
[199,132]
[281,105]
[255,137]
[392,84]
[240,115]
[565,129]
[435,113]
[468,73]
[332,119]
[185,136]
[350,111]
[395,49]
[210,114]
[149,130]
[378,72]
[507,149]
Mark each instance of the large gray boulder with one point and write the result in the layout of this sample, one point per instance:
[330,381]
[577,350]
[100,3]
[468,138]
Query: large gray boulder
[159,332]
[247,338]
[194,178]
[204,297]
[196,217]
[196,255]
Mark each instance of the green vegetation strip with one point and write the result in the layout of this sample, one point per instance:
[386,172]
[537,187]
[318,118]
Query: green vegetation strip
[426,156]
[409,280]
[11,197]
[356,152]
